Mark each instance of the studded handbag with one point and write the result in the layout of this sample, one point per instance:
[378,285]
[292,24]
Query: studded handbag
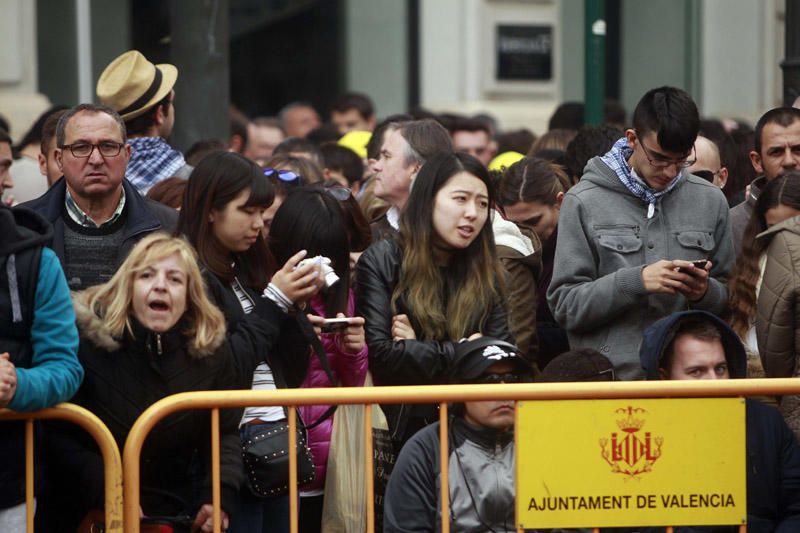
[266,460]
[266,454]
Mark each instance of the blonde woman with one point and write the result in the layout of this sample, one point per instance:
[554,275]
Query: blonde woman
[148,333]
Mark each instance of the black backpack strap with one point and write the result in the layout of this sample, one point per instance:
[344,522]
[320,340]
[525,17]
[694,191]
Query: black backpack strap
[13,289]
[310,335]
[20,273]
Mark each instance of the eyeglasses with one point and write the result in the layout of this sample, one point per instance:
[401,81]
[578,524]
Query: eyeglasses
[83,149]
[501,378]
[661,162]
[340,193]
[284,175]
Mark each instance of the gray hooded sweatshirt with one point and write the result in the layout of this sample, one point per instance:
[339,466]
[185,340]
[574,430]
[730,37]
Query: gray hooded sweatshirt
[605,240]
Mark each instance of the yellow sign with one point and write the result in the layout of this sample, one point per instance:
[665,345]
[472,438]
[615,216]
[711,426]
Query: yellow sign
[604,463]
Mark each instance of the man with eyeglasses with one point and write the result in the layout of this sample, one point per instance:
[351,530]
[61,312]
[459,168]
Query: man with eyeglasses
[481,455]
[640,237]
[97,215]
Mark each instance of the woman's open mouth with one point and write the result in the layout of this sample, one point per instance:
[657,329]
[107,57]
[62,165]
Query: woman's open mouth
[159,306]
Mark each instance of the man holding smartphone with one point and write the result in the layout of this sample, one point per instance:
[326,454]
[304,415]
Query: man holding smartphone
[629,232]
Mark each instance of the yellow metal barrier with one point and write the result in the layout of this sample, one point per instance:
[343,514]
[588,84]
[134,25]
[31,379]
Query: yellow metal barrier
[105,441]
[440,394]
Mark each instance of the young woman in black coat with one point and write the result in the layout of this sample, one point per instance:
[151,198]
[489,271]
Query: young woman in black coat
[437,284]
[225,201]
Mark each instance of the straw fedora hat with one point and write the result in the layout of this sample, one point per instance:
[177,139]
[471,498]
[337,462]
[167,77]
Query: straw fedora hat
[130,85]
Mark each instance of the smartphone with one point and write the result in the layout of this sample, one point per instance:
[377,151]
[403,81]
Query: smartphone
[700,263]
[335,325]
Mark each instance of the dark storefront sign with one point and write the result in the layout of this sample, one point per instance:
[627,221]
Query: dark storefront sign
[524,52]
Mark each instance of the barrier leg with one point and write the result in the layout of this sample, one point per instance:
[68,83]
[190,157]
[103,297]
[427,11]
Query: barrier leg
[29,508]
[444,450]
[370,481]
[292,469]
[216,517]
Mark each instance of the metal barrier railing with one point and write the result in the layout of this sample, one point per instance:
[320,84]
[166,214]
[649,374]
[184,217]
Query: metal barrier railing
[442,395]
[105,441]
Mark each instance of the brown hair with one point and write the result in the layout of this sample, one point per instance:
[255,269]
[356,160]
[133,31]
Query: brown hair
[531,179]
[49,130]
[217,180]
[556,139]
[698,328]
[425,138]
[783,190]
[446,309]
[168,192]
[310,172]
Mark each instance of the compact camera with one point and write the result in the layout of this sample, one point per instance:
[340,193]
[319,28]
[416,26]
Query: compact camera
[329,277]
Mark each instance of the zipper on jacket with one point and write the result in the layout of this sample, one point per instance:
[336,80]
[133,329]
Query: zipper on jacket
[158,344]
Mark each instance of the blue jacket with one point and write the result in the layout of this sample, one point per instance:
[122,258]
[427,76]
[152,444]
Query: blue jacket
[55,373]
[773,455]
[40,334]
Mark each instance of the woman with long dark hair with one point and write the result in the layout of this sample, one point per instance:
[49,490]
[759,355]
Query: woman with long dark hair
[776,203]
[530,193]
[311,219]
[436,284]
[222,216]
[778,300]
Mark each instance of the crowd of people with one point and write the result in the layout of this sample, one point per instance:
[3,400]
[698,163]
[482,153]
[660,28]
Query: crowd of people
[418,249]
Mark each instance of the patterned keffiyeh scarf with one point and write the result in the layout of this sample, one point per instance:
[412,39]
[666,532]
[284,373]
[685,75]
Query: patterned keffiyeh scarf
[617,160]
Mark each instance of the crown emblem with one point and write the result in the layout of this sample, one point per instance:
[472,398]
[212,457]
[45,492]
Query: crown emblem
[631,453]
[630,424]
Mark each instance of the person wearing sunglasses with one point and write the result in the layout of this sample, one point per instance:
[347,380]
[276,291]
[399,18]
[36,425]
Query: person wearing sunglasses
[708,164]
[287,172]
[639,237]
[480,434]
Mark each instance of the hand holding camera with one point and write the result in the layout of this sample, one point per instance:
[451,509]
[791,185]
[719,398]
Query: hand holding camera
[296,281]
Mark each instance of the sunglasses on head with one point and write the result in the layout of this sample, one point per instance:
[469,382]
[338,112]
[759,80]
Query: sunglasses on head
[340,193]
[284,175]
[501,378]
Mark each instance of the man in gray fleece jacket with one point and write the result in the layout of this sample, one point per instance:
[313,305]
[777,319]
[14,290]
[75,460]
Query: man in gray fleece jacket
[629,232]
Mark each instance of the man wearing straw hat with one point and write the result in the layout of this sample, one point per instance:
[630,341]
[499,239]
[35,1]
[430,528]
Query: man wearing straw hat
[142,93]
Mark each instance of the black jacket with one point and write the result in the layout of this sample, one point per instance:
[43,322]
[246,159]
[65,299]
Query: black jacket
[123,377]
[142,216]
[773,456]
[262,335]
[404,362]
